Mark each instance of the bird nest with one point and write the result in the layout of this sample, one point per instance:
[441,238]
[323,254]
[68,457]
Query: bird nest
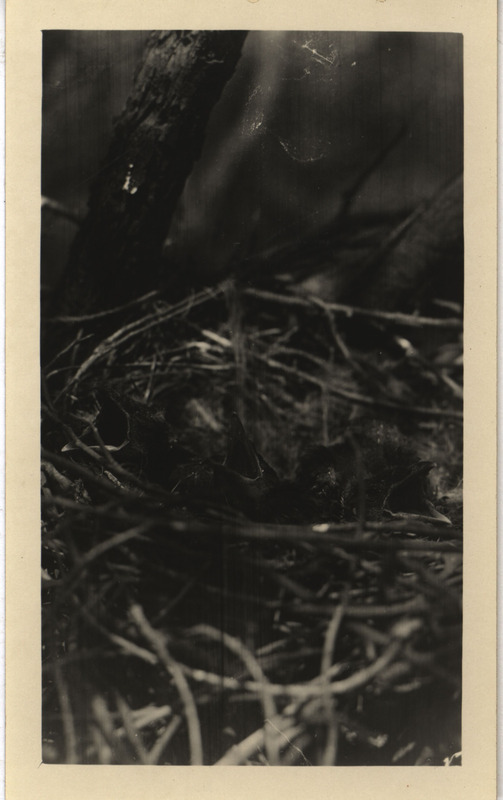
[252,533]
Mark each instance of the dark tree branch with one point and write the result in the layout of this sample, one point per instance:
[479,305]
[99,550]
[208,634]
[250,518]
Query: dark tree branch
[116,254]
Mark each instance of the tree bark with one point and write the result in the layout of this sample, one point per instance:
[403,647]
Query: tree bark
[116,254]
[429,252]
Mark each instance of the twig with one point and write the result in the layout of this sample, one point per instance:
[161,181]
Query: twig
[241,651]
[143,717]
[105,724]
[66,715]
[164,739]
[240,753]
[365,675]
[235,308]
[315,688]
[135,329]
[438,585]
[361,505]
[111,510]
[102,548]
[337,338]
[90,654]
[416,605]
[308,535]
[301,691]
[78,339]
[358,398]
[101,746]
[84,473]
[456,390]
[79,444]
[292,586]
[109,311]
[423,660]
[51,472]
[173,667]
[61,210]
[127,647]
[113,463]
[130,729]
[393,317]
[437,531]
[330,751]
[296,738]
[101,483]
[331,636]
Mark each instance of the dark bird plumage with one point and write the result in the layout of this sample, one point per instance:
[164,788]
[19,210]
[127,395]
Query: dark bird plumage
[136,434]
[245,478]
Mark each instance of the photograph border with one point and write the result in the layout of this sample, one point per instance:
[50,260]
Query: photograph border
[26,775]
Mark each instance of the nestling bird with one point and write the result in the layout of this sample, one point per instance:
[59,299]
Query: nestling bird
[375,471]
[249,484]
[245,478]
[136,434]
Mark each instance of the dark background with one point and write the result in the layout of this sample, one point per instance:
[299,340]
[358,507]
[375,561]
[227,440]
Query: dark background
[304,114]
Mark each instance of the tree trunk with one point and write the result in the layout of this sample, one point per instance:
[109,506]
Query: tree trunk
[116,254]
[428,252]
